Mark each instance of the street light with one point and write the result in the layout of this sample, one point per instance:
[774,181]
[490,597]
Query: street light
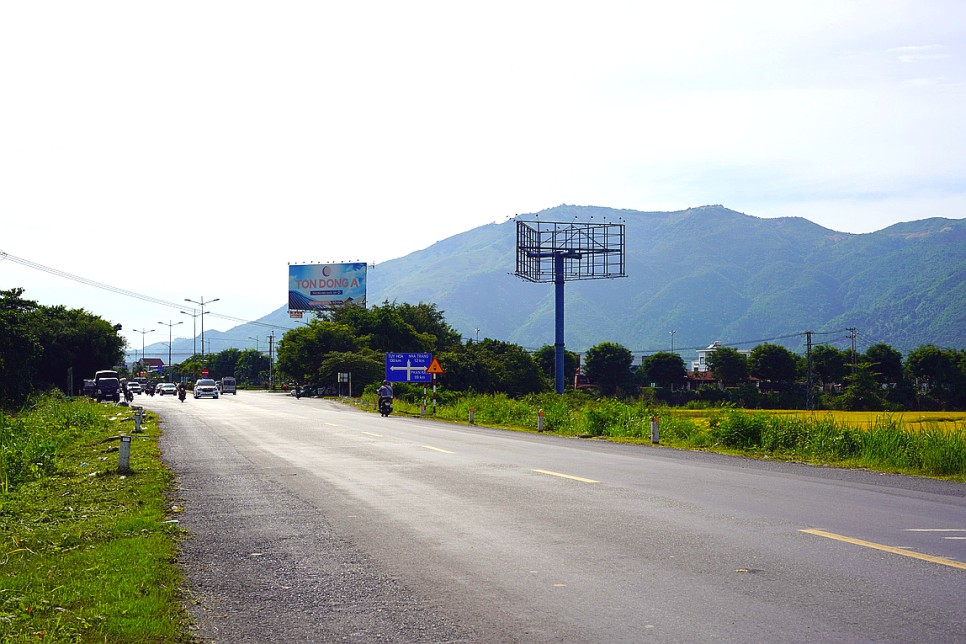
[170,324]
[202,304]
[143,333]
[256,342]
[672,332]
[194,331]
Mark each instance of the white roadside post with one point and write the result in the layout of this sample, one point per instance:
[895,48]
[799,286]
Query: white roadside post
[655,431]
[124,456]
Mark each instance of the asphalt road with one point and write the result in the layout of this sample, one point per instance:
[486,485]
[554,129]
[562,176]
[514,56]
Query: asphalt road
[311,521]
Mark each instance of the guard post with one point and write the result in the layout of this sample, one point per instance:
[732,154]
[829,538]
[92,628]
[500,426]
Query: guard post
[124,456]
[655,430]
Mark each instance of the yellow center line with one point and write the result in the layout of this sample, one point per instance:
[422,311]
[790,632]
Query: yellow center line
[566,476]
[952,563]
[436,449]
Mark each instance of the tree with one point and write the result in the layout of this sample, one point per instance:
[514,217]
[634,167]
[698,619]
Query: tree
[252,367]
[384,328]
[608,365]
[546,359]
[728,365]
[663,368]
[301,350]
[773,363]
[938,372]
[74,339]
[829,364]
[224,363]
[428,321]
[19,347]
[366,366]
[885,362]
[493,366]
[863,392]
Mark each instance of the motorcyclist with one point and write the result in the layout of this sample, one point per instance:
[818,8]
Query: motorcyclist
[182,391]
[385,392]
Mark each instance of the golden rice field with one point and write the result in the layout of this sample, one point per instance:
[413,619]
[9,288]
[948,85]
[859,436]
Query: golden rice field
[910,420]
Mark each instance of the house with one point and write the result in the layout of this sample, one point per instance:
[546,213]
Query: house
[701,364]
[153,364]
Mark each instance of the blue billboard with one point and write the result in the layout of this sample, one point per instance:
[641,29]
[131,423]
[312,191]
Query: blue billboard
[317,287]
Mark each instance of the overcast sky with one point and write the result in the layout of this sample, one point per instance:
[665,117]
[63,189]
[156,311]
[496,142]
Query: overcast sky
[194,149]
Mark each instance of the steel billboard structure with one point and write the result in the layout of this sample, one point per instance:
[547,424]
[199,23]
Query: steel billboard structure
[556,251]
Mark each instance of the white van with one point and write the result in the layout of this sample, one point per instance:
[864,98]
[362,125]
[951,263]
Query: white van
[228,386]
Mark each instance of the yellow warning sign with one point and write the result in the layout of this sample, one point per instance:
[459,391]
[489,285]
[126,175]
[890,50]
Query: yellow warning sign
[435,368]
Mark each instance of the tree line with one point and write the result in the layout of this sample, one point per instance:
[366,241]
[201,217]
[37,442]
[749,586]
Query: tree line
[40,346]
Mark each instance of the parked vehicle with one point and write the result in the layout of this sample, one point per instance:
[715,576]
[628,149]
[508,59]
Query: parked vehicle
[206,387]
[107,389]
[167,389]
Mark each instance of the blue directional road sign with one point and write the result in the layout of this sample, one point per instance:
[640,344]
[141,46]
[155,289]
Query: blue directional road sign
[408,367]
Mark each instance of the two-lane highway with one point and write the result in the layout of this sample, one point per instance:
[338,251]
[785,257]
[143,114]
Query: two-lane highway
[455,533]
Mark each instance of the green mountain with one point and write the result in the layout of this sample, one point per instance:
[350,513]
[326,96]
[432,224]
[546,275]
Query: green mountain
[708,274]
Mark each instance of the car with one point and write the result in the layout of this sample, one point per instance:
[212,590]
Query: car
[206,387]
[168,388]
[134,387]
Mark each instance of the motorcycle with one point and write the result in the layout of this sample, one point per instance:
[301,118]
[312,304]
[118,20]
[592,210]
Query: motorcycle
[385,406]
[181,394]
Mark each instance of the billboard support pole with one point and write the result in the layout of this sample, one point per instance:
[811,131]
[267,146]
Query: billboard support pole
[558,347]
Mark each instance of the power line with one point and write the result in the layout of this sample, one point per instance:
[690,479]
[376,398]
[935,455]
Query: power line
[120,291]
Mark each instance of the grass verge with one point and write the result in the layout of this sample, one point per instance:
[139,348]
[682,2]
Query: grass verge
[912,444]
[86,553]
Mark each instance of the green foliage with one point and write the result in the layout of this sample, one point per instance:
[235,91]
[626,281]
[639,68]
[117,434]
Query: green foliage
[546,359]
[773,363]
[39,344]
[663,368]
[608,365]
[728,365]
[493,366]
[87,554]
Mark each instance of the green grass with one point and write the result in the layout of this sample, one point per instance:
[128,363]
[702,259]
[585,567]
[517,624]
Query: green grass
[87,554]
[884,443]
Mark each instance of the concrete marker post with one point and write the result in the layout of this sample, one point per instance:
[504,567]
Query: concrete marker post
[472,411]
[655,431]
[540,421]
[124,456]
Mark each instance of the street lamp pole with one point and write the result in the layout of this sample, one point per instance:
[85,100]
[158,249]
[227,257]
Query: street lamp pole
[202,304]
[194,331]
[256,342]
[170,324]
[143,333]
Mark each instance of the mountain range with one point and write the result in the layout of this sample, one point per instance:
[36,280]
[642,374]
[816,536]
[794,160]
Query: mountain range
[692,277]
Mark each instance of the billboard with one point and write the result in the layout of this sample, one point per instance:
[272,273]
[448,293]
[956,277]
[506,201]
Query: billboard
[317,287]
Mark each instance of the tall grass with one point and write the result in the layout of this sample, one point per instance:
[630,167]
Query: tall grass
[932,450]
[87,554]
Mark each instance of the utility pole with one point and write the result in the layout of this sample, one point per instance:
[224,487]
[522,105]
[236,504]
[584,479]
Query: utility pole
[672,339]
[271,355]
[851,331]
[809,387]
